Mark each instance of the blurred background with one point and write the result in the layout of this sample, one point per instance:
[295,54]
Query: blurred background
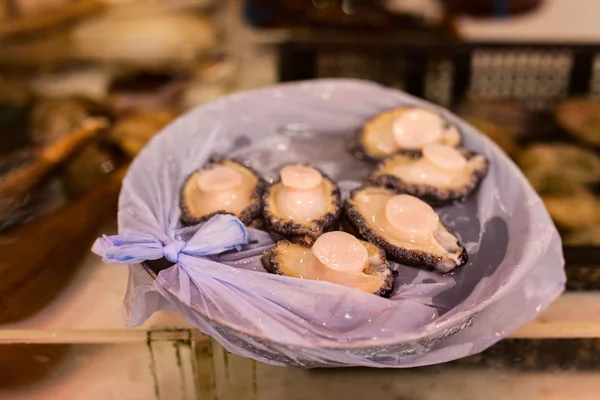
[85,84]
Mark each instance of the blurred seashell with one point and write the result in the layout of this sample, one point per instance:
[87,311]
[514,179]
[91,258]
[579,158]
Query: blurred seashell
[89,82]
[577,211]
[132,132]
[544,162]
[144,35]
[581,118]
[51,119]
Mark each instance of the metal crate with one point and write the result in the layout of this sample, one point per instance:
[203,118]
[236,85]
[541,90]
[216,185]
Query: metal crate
[537,75]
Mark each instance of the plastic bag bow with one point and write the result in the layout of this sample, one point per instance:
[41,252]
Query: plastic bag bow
[219,234]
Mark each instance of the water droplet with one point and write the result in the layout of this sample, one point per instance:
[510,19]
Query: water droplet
[348,316]
[538,308]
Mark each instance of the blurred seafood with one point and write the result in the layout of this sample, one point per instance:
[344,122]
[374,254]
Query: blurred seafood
[561,173]
[578,210]
[580,118]
[132,132]
[546,163]
[17,185]
[144,34]
[52,119]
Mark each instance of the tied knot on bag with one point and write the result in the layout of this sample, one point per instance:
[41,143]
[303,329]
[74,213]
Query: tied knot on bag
[219,234]
[172,249]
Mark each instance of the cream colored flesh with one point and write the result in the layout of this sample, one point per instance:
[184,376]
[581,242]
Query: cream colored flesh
[300,262]
[416,128]
[301,196]
[341,251]
[434,169]
[300,205]
[413,235]
[228,187]
[388,133]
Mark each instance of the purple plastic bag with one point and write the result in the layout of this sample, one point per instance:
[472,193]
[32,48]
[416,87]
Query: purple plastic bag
[515,270]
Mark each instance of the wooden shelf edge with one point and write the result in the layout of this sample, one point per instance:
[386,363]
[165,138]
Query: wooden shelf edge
[113,336]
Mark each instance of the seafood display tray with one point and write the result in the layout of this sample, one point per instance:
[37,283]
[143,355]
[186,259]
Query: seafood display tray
[536,76]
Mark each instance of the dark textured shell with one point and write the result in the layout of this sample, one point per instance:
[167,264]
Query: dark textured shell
[251,216]
[270,260]
[305,234]
[355,223]
[432,195]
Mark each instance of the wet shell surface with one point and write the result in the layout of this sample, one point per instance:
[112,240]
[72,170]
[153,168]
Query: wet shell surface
[335,257]
[403,130]
[439,175]
[407,228]
[302,205]
[224,186]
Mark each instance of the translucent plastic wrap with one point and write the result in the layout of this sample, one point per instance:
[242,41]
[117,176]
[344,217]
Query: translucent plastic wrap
[515,268]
